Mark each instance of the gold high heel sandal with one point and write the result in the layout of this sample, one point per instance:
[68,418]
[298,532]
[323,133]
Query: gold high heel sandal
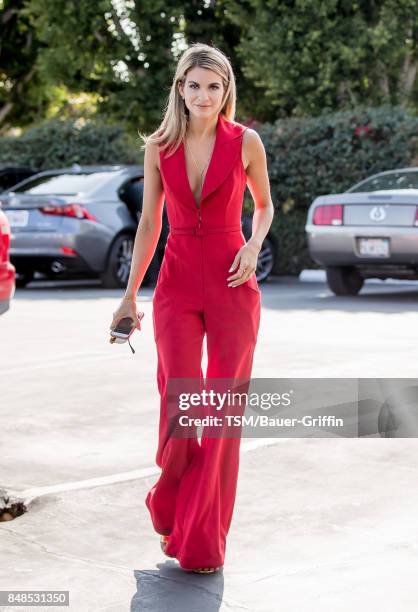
[201,570]
[163,543]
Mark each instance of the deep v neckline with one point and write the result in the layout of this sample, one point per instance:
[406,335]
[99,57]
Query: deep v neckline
[208,169]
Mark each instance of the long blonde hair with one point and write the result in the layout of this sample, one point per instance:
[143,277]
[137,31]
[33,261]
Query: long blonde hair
[172,129]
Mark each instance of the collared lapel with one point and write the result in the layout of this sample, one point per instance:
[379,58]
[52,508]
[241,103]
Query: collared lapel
[225,152]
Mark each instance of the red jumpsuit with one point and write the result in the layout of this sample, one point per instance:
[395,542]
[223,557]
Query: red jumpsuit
[193,499]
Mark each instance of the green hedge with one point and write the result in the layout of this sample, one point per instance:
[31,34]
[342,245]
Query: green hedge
[293,256]
[327,154]
[57,143]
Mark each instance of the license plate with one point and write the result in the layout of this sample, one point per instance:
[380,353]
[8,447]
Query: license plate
[17,218]
[376,247]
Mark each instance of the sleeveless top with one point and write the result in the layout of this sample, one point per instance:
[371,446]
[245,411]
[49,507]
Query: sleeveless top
[223,188]
[199,257]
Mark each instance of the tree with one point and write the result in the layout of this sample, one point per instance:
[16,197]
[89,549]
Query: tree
[120,51]
[290,57]
[22,97]
[124,52]
[308,56]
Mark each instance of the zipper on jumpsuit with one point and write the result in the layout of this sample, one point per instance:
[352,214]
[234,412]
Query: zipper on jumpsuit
[199,234]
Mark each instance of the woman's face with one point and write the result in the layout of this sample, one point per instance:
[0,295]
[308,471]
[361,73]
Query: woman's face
[202,92]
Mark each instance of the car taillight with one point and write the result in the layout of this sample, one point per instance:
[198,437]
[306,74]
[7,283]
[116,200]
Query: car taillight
[68,210]
[68,250]
[328,215]
[4,240]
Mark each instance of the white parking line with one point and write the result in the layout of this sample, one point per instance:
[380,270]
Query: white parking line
[28,495]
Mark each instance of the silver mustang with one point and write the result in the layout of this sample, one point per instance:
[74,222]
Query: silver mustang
[369,231]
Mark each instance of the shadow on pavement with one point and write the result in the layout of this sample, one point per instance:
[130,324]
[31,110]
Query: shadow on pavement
[173,589]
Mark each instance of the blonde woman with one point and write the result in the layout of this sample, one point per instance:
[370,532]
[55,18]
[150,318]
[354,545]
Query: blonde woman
[200,161]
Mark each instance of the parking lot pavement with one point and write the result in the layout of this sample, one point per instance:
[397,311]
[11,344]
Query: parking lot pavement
[308,534]
[79,433]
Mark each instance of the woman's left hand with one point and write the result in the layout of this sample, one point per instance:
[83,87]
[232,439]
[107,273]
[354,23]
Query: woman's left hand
[246,260]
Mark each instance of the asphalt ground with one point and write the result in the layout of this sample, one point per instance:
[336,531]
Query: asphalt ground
[319,523]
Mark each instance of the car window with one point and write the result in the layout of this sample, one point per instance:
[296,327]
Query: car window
[6,181]
[131,193]
[12,177]
[394,180]
[63,184]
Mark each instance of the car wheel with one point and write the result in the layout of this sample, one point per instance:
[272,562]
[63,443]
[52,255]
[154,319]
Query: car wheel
[119,262]
[23,278]
[344,280]
[265,261]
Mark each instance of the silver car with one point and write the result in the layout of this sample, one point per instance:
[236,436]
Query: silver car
[369,231]
[75,222]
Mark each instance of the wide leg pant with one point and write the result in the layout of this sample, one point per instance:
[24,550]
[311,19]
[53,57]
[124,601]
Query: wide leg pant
[193,499]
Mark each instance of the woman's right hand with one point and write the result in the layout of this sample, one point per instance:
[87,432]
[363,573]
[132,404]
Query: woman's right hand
[127,308]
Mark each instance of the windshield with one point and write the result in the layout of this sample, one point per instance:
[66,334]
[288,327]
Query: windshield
[62,184]
[393,180]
